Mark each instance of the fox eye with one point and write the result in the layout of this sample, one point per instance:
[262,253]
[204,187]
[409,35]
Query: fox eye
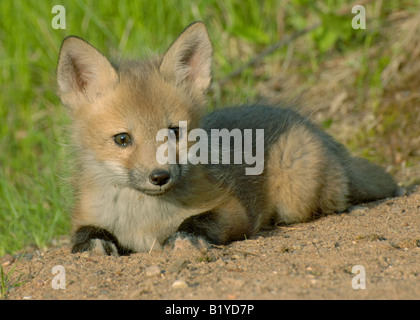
[174,132]
[122,139]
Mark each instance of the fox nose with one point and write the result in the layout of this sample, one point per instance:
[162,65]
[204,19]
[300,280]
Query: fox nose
[159,177]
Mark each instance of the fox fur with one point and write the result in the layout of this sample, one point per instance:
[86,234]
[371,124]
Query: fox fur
[128,202]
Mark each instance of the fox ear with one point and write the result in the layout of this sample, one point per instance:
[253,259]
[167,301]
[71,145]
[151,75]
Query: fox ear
[83,73]
[188,59]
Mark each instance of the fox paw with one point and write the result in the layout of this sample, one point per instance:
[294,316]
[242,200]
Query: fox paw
[97,240]
[182,241]
[97,246]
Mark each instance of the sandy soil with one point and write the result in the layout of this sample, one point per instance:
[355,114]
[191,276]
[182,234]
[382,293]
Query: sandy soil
[312,260]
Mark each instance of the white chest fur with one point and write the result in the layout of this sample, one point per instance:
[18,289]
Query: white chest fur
[138,221]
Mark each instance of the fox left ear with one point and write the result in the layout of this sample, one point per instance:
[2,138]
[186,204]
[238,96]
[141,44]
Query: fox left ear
[188,59]
[83,73]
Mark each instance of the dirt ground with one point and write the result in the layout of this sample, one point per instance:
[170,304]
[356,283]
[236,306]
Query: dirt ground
[313,260]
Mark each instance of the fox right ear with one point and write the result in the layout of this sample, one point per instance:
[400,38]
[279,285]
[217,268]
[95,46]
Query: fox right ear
[188,60]
[83,73]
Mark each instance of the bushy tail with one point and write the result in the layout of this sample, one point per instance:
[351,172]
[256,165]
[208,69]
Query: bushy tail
[369,182]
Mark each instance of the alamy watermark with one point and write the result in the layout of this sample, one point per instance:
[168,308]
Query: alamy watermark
[359,20]
[59,20]
[59,280]
[244,146]
[359,280]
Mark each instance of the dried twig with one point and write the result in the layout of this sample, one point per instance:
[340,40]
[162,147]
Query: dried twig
[153,244]
[267,51]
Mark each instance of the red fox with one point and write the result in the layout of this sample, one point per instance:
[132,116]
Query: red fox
[128,201]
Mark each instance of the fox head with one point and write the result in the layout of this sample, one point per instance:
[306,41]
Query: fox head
[117,110]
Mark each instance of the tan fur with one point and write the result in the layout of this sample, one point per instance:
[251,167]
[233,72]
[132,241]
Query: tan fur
[302,180]
[231,214]
[306,173]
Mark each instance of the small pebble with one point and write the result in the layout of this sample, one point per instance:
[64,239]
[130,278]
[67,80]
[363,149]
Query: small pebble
[178,284]
[153,271]
[6,263]
[7,260]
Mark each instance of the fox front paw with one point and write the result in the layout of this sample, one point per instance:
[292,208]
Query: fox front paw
[98,246]
[181,241]
[97,240]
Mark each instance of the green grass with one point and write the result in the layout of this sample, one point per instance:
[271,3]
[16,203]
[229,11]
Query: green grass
[6,281]
[33,196]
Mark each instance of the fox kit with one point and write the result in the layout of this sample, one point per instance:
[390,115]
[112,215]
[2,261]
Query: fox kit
[128,201]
